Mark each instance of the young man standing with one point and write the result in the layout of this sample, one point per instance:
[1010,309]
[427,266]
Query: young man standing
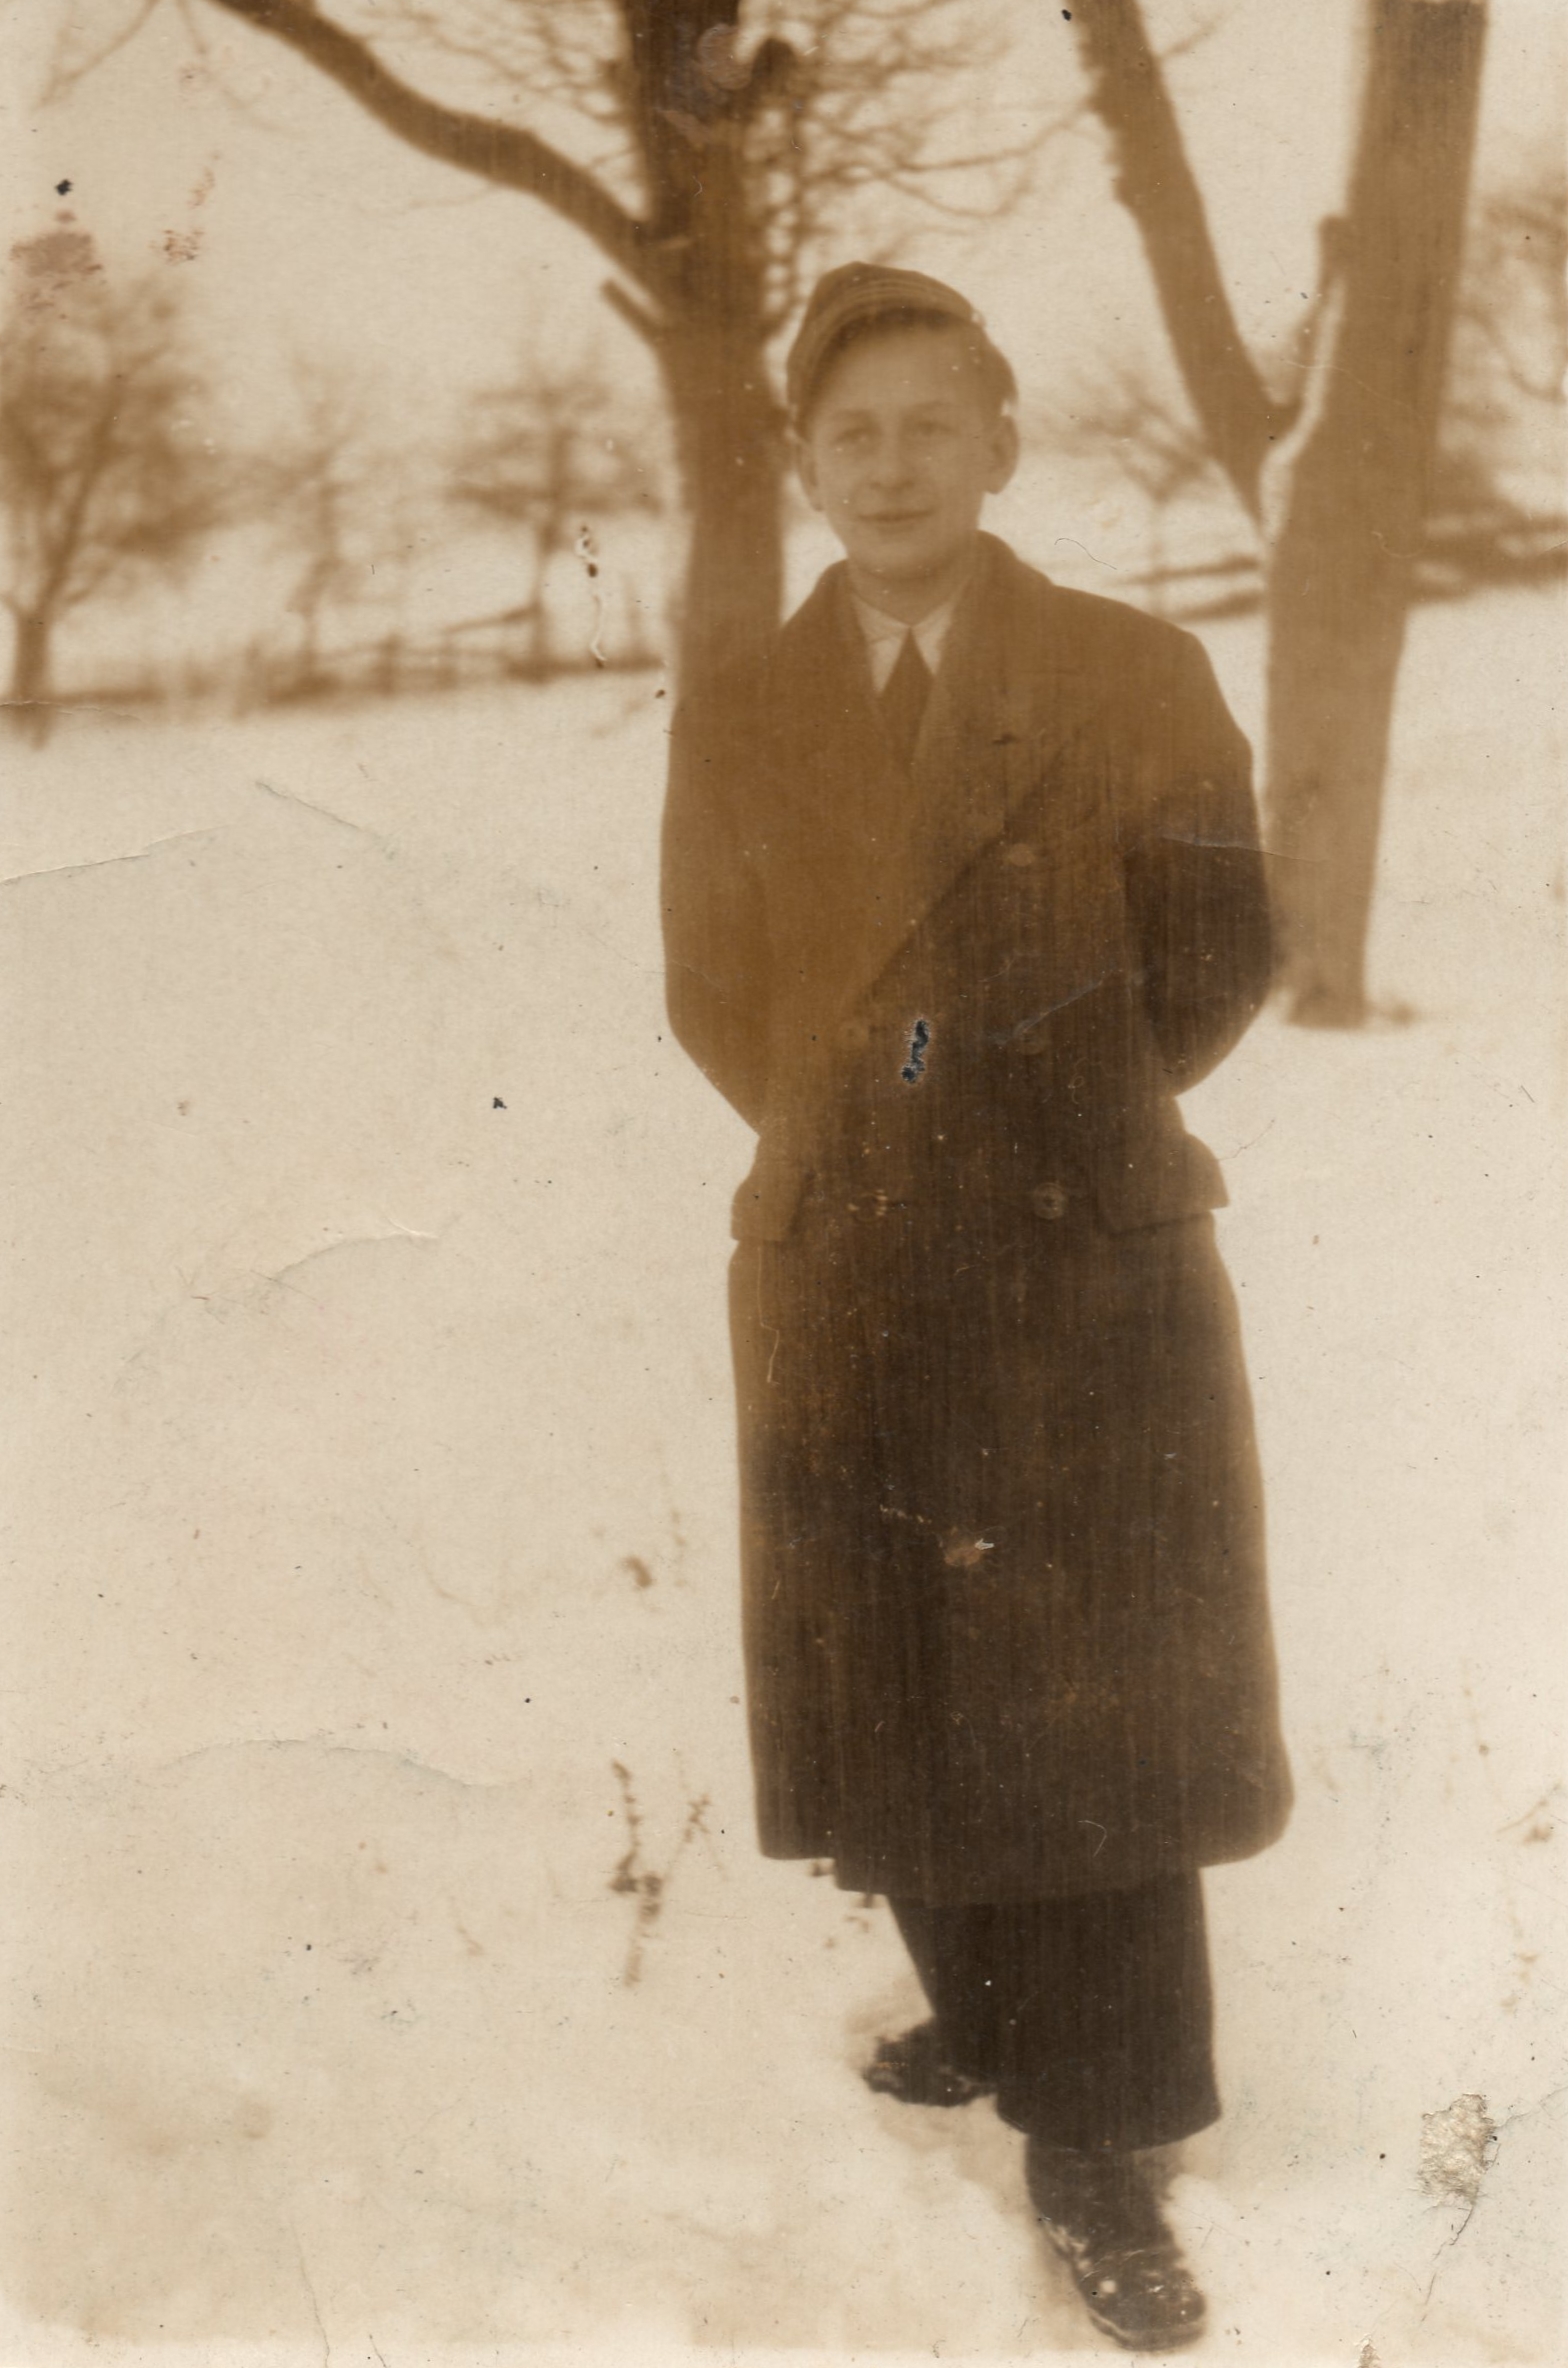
[962,888]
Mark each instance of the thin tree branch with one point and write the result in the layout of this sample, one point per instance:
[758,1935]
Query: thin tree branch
[647,325]
[505,154]
[1156,184]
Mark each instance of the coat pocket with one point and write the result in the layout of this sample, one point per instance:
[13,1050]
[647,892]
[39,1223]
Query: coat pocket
[1154,1180]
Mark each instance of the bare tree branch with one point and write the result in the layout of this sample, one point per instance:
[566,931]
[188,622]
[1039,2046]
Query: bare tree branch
[65,73]
[1156,184]
[737,164]
[505,154]
[648,325]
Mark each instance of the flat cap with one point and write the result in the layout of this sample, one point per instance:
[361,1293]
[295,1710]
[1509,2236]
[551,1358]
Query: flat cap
[850,296]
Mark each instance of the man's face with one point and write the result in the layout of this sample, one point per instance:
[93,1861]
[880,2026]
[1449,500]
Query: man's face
[899,453]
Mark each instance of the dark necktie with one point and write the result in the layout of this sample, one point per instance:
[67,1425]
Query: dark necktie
[904,696]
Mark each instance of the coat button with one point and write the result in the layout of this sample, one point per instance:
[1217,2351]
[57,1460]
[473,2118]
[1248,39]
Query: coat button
[1049,1200]
[1021,853]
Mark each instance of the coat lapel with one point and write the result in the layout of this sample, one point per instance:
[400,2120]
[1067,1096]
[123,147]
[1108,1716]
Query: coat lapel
[847,817]
[1016,687]
[861,853]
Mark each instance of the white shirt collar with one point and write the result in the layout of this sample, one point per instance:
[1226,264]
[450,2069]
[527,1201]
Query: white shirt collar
[885,635]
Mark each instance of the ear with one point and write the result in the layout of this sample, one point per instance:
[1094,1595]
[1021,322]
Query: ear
[1003,456]
[806,468]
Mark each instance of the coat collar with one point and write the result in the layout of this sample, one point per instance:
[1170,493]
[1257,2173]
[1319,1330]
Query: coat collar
[1017,683]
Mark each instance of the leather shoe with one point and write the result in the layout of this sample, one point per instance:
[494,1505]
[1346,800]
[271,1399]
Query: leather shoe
[1099,2213]
[915,2068]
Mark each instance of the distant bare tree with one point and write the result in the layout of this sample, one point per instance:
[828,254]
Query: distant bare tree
[557,448]
[1515,294]
[1126,416]
[704,146]
[330,497]
[1501,443]
[105,477]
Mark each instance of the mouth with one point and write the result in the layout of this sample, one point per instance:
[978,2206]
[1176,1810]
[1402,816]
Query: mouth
[894,518]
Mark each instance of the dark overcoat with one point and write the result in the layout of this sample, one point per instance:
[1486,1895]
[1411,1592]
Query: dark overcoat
[1005,1617]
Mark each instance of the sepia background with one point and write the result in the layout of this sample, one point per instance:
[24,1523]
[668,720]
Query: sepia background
[390,1973]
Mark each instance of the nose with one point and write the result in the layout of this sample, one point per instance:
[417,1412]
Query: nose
[892,463]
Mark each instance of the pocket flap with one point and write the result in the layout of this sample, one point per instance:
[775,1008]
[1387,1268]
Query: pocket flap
[1152,1183]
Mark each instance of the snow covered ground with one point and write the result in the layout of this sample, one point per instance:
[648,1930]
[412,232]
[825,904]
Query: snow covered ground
[370,1516]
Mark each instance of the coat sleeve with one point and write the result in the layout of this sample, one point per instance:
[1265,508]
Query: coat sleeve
[1196,886]
[715,933]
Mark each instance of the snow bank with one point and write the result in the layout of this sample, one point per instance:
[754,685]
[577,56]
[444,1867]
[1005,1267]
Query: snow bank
[400,1980]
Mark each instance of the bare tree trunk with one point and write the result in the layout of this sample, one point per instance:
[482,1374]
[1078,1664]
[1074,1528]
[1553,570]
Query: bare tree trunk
[706,328]
[28,701]
[1156,183]
[1340,564]
[730,451]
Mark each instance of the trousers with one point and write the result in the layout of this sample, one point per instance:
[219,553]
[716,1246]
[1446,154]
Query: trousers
[1092,2015]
